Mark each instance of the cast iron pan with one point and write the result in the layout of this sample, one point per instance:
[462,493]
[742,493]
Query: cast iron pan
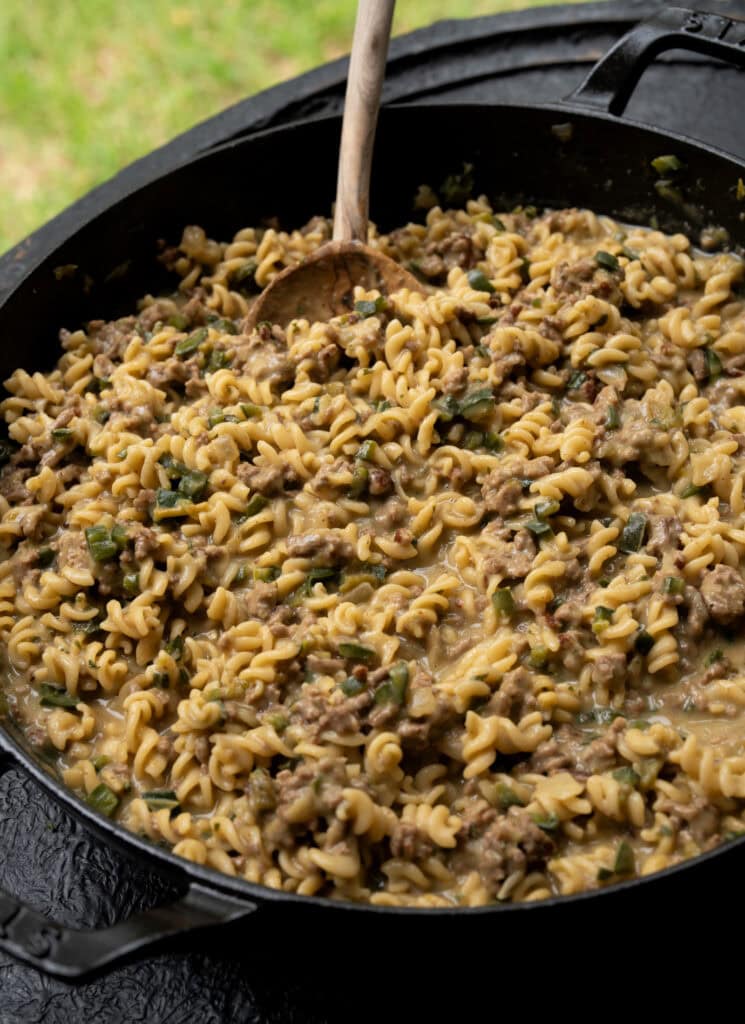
[518,154]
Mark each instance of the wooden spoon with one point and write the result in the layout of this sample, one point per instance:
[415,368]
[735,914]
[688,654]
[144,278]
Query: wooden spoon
[322,286]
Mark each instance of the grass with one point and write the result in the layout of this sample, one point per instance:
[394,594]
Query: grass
[87,86]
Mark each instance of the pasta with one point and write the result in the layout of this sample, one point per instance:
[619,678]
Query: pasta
[434,604]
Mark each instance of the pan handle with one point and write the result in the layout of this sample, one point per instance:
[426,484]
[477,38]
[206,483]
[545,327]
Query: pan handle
[72,953]
[610,84]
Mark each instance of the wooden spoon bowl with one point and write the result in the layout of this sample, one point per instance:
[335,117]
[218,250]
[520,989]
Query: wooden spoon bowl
[322,286]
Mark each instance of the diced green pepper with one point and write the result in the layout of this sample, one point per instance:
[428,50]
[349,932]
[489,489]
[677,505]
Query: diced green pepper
[256,504]
[367,451]
[62,434]
[360,480]
[193,484]
[370,307]
[250,410]
[45,557]
[601,619]
[175,647]
[502,601]
[627,776]
[713,364]
[624,863]
[191,343]
[103,799]
[606,260]
[161,799]
[545,509]
[713,656]
[56,697]
[224,325]
[100,543]
[507,797]
[632,536]
[399,677]
[267,574]
[119,536]
[218,360]
[691,491]
[100,761]
[179,321]
[493,442]
[355,652]
[539,527]
[538,656]
[547,822]
[244,278]
[613,418]
[473,440]
[477,404]
[644,642]
[479,281]
[352,686]
[131,583]
[170,499]
[447,407]
[673,585]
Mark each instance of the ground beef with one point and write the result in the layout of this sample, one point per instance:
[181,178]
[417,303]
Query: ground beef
[586,277]
[600,754]
[325,779]
[259,601]
[698,613]
[514,697]
[325,664]
[72,550]
[454,250]
[700,816]
[502,490]
[324,362]
[344,718]
[610,670]
[514,558]
[455,380]
[322,547]
[723,591]
[159,311]
[513,843]
[171,371]
[696,362]
[333,478]
[410,842]
[111,339]
[24,565]
[664,534]
[144,500]
[634,440]
[549,757]
[267,480]
[146,541]
[261,361]
[605,400]
[13,485]
[379,481]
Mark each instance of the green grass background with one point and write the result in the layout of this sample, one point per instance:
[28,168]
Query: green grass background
[87,86]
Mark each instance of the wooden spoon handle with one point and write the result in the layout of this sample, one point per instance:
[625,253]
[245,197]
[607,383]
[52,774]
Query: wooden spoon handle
[366,72]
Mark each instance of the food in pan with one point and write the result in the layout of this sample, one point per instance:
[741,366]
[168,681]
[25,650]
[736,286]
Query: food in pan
[435,604]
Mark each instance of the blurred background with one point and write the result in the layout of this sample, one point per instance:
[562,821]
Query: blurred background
[87,86]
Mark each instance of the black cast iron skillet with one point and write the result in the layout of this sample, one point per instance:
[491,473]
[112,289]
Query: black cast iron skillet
[574,153]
